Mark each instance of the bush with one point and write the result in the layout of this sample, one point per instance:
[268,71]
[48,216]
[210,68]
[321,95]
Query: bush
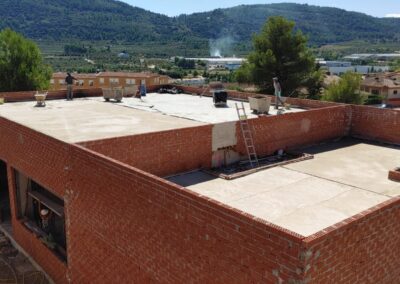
[347,90]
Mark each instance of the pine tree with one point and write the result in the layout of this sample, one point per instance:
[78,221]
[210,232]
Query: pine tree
[279,51]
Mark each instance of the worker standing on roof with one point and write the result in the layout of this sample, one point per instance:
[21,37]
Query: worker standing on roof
[69,80]
[278,92]
[143,90]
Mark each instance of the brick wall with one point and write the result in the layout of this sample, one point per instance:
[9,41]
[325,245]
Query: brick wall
[294,130]
[362,249]
[125,225]
[376,124]
[52,95]
[292,101]
[45,160]
[244,96]
[49,262]
[11,97]
[129,225]
[160,153]
[395,102]
[170,152]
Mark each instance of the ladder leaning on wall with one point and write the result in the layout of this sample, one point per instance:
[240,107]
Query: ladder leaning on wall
[247,136]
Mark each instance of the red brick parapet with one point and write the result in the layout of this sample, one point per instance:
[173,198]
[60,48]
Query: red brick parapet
[395,175]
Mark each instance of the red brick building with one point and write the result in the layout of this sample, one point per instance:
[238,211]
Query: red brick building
[107,79]
[129,198]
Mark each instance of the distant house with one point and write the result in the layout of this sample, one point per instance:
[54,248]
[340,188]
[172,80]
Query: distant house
[387,85]
[107,79]
[123,55]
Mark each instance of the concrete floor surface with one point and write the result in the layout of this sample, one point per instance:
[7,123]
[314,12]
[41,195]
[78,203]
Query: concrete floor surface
[309,196]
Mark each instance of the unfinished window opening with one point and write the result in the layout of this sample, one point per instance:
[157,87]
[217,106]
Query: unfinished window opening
[5,211]
[42,213]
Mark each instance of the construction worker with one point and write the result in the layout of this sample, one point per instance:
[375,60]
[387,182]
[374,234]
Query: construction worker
[69,80]
[278,92]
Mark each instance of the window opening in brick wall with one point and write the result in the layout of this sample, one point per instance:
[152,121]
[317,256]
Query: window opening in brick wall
[41,212]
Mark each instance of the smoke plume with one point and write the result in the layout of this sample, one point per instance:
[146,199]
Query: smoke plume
[221,47]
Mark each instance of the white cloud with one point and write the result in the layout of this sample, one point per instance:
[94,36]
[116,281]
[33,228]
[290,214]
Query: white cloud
[392,15]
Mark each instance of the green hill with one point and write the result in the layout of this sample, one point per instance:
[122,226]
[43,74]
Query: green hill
[323,25]
[87,20]
[108,20]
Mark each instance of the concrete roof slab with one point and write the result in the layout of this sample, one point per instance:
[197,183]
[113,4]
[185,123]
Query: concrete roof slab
[309,196]
[357,164]
[191,107]
[85,119]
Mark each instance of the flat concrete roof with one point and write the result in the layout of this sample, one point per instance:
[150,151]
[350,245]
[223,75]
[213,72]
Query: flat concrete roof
[90,119]
[341,181]
[85,120]
[191,107]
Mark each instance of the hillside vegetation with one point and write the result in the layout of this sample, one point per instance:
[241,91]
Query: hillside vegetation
[120,23]
[322,25]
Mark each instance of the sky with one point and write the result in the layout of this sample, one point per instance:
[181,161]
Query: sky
[376,8]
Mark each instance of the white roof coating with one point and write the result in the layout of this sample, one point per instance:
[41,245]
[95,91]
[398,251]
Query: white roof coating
[308,196]
[94,119]
[191,107]
[85,120]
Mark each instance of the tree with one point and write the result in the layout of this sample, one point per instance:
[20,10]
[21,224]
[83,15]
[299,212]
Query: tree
[21,66]
[314,84]
[347,90]
[280,52]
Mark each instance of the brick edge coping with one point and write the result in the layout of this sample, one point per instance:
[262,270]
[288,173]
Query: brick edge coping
[394,175]
[379,208]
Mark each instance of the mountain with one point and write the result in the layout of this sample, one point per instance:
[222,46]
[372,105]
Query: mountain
[113,20]
[323,25]
[87,20]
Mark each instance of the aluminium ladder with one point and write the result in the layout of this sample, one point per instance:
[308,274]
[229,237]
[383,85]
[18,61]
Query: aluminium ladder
[247,136]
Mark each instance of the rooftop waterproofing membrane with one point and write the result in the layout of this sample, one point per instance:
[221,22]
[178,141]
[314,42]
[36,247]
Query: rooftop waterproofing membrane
[344,179]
